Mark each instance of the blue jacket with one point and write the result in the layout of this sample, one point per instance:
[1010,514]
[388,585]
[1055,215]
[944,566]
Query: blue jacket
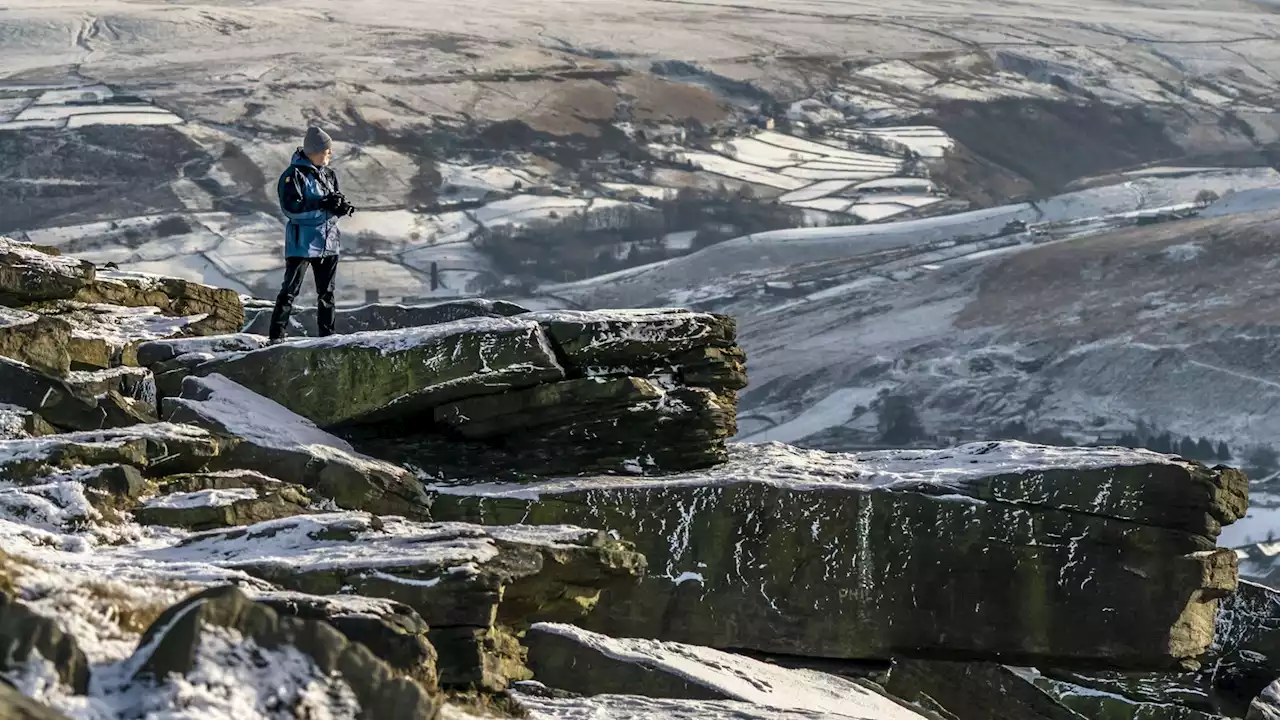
[311,231]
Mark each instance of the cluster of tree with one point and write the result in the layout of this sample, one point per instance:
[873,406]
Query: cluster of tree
[1203,449]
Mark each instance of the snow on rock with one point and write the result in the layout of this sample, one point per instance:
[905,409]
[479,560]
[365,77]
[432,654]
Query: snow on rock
[577,660]
[201,498]
[338,541]
[259,420]
[774,463]
[634,707]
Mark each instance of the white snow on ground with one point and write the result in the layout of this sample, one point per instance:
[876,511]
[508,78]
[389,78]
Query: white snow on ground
[233,679]
[741,678]
[1254,200]
[897,183]
[816,191]
[50,112]
[773,463]
[729,168]
[876,211]
[831,411]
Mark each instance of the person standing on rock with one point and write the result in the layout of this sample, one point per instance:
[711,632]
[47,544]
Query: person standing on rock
[311,200]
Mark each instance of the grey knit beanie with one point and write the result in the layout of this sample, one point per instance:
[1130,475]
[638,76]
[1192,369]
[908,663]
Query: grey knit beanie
[317,141]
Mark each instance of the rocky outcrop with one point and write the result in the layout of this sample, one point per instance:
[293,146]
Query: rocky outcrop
[385,317]
[18,423]
[173,645]
[533,394]
[965,553]
[1117,696]
[160,351]
[159,449]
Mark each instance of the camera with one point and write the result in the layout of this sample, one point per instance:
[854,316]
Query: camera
[337,204]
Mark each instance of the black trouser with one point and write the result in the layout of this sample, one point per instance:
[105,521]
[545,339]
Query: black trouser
[325,270]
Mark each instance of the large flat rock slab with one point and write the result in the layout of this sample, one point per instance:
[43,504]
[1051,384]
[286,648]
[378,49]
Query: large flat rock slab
[1025,554]
[569,658]
[366,377]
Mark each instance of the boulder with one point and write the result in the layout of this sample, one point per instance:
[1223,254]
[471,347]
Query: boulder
[16,706]
[23,633]
[175,642]
[28,275]
[569,658]
[64,406]
[391,630]
[464,581]
[385,317]
[158,449]
[396,374]
[214,310]
[265,437]
[1036,555]
[35,340]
